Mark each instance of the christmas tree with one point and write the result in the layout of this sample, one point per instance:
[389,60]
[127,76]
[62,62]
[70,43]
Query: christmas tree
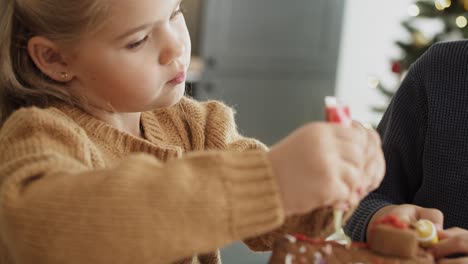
[453,17]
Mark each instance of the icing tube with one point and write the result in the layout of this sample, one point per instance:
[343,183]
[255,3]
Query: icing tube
[336,112]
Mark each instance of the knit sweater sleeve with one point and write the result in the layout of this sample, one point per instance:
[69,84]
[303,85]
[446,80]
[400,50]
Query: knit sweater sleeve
[223,134]
[56,208]
[402,130]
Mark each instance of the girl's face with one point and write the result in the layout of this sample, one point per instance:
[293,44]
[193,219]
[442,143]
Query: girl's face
[137,61]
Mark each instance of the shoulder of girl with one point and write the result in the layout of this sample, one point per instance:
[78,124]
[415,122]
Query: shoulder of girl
[34,118]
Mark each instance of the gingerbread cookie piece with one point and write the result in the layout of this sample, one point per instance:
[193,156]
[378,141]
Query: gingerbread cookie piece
[300,249]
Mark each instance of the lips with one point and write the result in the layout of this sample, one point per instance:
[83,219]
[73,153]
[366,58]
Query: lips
[178,79]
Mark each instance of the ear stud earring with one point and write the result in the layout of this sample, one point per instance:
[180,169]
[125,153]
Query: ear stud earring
[64,75]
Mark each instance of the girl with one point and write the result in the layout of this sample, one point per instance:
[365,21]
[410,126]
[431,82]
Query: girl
[104,161]
[424,133]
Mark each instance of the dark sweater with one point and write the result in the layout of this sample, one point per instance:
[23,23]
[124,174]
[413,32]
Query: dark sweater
[425,140]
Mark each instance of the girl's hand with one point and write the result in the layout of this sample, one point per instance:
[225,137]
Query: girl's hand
[409,213]
[374,164]
[322,164]
[452,241]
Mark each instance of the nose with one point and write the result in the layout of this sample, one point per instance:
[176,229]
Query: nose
[173,47]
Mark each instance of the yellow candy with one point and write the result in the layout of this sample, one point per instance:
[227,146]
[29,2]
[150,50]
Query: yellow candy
[427,233]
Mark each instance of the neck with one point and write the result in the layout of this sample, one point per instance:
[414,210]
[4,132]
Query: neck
[125,122]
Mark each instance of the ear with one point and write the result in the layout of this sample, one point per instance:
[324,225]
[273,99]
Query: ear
[48,57]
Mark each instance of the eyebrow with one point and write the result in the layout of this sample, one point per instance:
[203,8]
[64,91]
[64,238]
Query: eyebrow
[134,30]
[142,27]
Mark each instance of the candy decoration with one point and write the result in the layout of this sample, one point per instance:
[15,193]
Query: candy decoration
[291,239]
[427,233]
[318,258]
[392,221]
[288,259]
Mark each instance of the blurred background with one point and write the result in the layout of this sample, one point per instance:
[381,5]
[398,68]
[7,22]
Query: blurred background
[275,60]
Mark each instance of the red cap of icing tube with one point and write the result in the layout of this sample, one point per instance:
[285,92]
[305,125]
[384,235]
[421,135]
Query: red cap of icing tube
[336,112]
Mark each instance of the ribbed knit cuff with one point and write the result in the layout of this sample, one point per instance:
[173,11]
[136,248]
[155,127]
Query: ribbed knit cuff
[356,227]
[252,193]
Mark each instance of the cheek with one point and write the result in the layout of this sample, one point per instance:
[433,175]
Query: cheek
[188,50]
[182,28]
[117,83]
[96,69]
[188,43]
[145,82]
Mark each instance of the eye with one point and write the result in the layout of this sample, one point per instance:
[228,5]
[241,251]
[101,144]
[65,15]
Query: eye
[137,44]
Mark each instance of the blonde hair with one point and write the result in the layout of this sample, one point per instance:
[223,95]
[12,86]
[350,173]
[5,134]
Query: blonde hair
[21,82]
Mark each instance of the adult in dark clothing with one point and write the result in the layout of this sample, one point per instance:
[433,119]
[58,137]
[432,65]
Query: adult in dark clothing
[425,139]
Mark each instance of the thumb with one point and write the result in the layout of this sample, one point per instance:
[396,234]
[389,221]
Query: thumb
[407,213]
[433,215]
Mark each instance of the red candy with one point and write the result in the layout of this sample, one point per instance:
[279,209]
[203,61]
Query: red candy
[392,221]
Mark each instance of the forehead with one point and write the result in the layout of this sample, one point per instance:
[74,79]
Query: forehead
[141,8]
[125,14]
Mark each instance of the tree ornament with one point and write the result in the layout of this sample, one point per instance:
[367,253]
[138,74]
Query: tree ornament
[419,39]
[396,67]
[465,4]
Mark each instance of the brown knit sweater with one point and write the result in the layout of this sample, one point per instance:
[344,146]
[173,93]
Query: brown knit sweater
[75,190]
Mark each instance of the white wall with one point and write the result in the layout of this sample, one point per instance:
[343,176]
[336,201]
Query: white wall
[369,31]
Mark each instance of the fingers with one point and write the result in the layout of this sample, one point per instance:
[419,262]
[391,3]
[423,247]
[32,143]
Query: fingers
[342,185]
[457,244]
[406,213]
[356,143]
[375,171]
[452,232]
[363,163]
[361,147]
[453,261]
[407,218]
[356,134]
[350,176]
[375,166]
[351,179]
[434,215]
[352,153]
[341,193]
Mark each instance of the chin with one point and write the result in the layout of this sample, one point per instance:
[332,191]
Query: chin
[174,97]
[180,93]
